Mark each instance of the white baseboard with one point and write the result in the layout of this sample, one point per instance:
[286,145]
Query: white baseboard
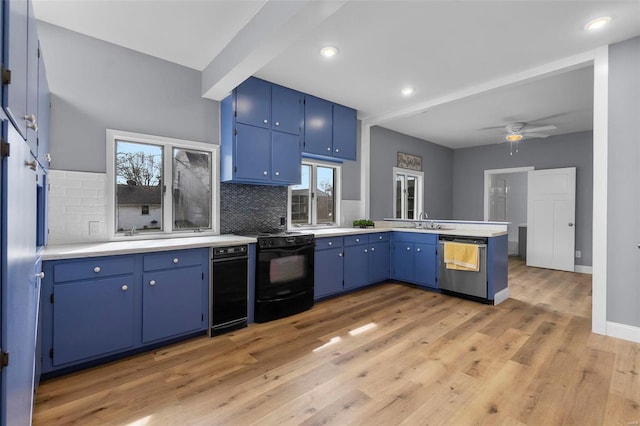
[501,296]
[623,331]
[583,269]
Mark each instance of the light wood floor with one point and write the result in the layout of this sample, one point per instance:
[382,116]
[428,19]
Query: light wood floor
[387,355]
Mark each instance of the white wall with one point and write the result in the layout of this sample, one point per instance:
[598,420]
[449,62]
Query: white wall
[516,200]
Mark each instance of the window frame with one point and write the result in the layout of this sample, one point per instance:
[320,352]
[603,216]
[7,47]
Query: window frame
[337,183]
[419,192]
[167,171]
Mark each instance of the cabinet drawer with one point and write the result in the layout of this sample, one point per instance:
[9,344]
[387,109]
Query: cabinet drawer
[416,237]
[352,240]
[97,267]
[328,243]
[172,259]
[378,237]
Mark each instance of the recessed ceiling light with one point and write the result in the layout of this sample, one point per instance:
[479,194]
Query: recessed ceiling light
[407,91]
[596,24]
[329,51]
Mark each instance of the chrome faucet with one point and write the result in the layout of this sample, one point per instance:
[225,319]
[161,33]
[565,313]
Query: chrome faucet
[131,232]
[423,216]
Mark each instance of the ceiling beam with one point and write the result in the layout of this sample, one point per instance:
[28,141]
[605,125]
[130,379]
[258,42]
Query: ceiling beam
[276,26]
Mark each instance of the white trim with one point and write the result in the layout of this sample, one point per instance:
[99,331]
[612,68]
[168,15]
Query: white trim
[600,178]
[623,331]
[582,269]
[167,144]
[365,169]
[487,183]
[501,296]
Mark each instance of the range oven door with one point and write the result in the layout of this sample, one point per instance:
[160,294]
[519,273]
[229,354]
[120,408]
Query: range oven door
[284,272]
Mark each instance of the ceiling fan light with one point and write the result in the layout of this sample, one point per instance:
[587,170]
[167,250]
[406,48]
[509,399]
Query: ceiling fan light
[514,137]
[596,24]
[329,51]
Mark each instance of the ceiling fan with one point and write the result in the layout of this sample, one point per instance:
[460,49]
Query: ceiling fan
[517,131]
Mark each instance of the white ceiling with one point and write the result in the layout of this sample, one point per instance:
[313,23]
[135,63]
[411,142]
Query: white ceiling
[496,51]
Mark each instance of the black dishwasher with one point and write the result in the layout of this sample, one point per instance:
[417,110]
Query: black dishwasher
[228,289]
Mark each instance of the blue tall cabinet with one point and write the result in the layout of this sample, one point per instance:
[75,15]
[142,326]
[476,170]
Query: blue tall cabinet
[20,274]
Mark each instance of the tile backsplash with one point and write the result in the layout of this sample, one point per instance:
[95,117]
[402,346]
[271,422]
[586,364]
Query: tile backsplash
[251,207]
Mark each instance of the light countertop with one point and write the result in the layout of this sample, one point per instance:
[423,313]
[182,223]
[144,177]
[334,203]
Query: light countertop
[110,248]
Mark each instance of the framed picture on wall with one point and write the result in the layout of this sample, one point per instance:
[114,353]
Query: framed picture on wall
[409,161]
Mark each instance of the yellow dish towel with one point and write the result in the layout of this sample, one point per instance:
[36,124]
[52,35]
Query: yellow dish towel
[461,256]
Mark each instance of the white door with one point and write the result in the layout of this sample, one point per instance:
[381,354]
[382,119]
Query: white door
[551,212]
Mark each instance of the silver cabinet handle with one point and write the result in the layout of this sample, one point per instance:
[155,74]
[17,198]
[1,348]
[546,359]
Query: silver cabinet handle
[365,250]
[30,118]
[418,249]
[32,126]
[277,123]
[337,149]
[408,248]
[329,149]
[340,254]
[265,121]
[47,157]
[380,237]
[97,269]
[277,173]
[40,275]
[175,260]
[124,287]
[265,173]
[373,249]
[33,165]
[152,283]
[357,240]
[330,243]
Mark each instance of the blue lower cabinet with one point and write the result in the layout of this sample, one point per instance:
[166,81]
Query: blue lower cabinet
[170,303]
[103,306]
[356,266]
[328,272]
[415,258]
[426,265]
[403,261]
[92,318]
[378,262]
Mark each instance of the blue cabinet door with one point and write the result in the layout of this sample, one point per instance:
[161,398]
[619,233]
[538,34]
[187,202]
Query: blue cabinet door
[32,82]
[92,318]
[286,110]
[344,132]
[171,303]
[426,265]
[403,261]
[252,153]
[14,95]
[378,262]
[44,114]
[19,292]
[328,270]
[253,103]
[318,126]
[356,266]
[286,157]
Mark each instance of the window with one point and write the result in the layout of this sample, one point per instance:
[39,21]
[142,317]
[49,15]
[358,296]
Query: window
[160,185]
[315,201]
[407,193]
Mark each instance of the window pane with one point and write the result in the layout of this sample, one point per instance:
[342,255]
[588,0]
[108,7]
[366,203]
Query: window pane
[325,200]
[399,193]
[191,189]
[411,197]
[301,198]
[138,183]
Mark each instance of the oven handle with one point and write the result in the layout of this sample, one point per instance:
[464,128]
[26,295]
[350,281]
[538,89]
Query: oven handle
[290,249]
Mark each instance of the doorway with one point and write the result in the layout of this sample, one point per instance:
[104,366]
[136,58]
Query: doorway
[505,200]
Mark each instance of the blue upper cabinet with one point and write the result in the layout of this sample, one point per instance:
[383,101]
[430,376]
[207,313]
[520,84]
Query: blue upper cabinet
[286,110]
[253,103]
[260,129]
[14,63]
[318,126]
[344,132]
[44,113]
[329,130]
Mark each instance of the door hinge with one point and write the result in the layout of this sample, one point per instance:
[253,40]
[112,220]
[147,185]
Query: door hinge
[5,149]
[235,132]
[235,169]
[51,298]
[4,359]
[203,276]
[201,317]
[51,353]
[6,76]
[235,113]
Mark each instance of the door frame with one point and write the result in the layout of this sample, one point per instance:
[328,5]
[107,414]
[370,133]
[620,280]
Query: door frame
[487,183]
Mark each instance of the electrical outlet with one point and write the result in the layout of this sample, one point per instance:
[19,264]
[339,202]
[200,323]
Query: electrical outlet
[94,227]
[578,254]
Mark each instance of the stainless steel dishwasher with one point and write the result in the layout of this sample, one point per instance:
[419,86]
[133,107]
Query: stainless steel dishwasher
[470,284]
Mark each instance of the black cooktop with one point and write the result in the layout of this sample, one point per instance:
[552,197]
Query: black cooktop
[269,233]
